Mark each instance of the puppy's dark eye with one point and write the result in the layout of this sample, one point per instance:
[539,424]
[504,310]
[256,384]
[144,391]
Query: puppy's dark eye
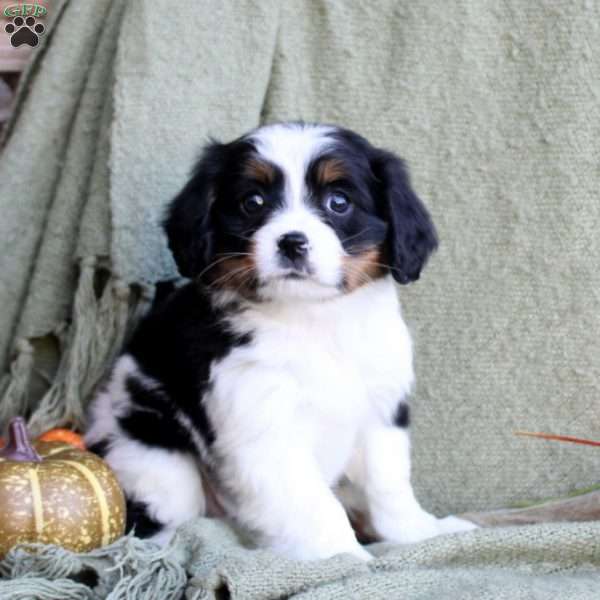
[337,203]
[253,204]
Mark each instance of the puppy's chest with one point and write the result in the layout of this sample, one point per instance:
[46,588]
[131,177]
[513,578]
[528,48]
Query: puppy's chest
[346,360]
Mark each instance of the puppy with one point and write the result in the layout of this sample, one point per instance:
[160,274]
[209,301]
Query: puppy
[273,385]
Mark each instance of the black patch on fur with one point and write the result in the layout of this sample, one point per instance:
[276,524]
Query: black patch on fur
[363,226]
[207,220]
[411,235]
[151,418]
[137,518]
[402,415]
[163,291]
[175,346]
[100,448]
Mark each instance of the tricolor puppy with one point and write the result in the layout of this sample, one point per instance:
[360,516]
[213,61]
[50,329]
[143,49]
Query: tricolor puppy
[274,384]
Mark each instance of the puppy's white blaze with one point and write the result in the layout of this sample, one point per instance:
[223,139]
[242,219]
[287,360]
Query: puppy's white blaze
[292,148]
[324,255]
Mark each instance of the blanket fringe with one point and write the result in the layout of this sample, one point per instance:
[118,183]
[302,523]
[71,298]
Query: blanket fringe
[100,323]
[14,386]
[128,569]
[37,588]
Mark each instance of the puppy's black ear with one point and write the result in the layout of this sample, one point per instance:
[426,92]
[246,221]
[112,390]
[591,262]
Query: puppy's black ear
[189,223]
[411,236]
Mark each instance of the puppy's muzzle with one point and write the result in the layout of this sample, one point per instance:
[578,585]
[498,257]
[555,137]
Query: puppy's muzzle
[293,250]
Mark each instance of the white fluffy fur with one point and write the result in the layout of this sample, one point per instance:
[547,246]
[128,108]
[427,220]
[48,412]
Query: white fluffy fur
[310,401]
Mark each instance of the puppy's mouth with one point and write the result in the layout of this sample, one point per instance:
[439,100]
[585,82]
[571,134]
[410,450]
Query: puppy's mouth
[308,280]
[296,275]
[301,274]
[299,271]
[294,268]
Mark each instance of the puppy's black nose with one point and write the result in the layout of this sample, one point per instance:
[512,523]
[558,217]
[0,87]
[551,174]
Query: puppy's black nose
[293,245]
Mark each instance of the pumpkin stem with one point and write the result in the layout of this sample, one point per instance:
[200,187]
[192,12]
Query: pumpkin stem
[19,447]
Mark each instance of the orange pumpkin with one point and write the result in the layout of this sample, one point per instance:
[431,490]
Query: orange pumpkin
[53,493]
[59,435]
[63,435]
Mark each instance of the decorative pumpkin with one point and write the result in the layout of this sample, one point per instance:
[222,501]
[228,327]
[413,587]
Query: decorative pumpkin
[53,493]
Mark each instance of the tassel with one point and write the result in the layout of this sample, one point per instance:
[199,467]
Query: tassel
[95,338]
[16,385]
[126,570]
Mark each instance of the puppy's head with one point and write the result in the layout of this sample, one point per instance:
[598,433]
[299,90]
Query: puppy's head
[298,211]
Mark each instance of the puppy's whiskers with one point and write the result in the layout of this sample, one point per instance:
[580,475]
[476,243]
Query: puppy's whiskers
[231,276]
[359,274]
[246,278]
[241,237]
[223,279]
[358,249]
[354,236]
[223,257]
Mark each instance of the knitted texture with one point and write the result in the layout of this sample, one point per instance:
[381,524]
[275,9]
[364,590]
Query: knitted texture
[207,561]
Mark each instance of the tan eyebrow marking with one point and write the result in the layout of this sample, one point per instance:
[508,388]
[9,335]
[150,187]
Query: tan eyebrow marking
[259,170]
[330,170]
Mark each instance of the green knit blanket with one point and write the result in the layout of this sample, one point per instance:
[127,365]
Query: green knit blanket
[496,108]
[208,561]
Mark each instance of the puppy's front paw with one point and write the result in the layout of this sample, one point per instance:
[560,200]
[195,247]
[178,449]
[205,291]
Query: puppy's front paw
[316,552]
[422,527]
[361,553]
[455,525]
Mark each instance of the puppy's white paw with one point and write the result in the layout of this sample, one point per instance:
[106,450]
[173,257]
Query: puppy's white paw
[301,552]
[422,527]
[455,525]
[361,553]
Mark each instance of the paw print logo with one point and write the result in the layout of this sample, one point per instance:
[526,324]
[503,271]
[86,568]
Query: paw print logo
[24,31]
